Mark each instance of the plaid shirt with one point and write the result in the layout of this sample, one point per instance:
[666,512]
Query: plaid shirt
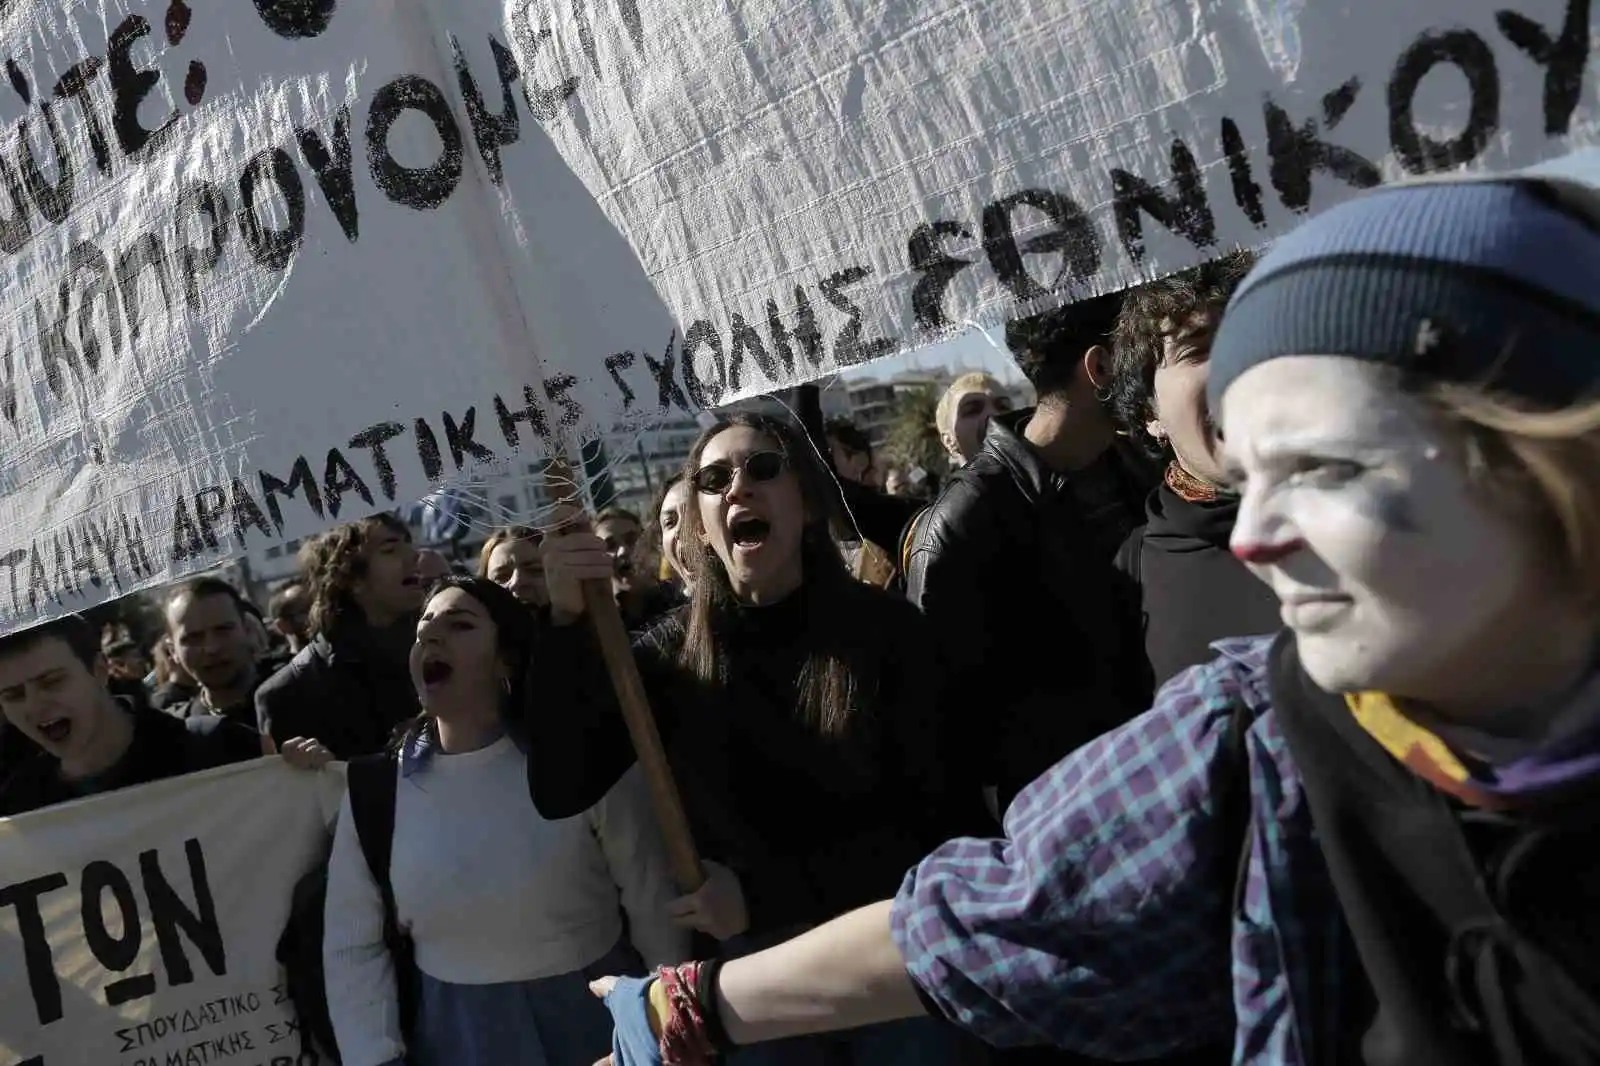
[1100,925]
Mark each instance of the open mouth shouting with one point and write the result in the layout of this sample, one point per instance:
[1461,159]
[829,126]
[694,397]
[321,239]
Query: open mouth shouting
[747,531]
[56,730]
[435,671]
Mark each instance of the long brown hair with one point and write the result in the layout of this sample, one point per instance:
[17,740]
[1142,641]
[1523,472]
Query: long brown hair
[335,561]
[832,679]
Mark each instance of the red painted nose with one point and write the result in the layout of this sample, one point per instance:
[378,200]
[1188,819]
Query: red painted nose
[1266,554]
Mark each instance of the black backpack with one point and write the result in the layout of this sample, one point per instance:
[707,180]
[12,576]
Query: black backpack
[371,782]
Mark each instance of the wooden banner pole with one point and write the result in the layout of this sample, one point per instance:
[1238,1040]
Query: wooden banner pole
[617,647]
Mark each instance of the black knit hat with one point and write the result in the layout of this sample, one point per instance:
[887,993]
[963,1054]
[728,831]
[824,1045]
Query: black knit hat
[1486,282]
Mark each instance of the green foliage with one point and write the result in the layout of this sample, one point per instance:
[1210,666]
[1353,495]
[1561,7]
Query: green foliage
[913,439]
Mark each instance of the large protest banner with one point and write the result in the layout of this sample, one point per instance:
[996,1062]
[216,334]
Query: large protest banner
[140,927]
[816,184]
[268,266]
[272,265]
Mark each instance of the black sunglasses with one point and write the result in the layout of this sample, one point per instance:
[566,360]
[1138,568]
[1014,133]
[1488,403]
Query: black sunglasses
[714,479]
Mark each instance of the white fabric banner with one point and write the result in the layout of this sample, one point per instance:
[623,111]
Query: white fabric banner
[818,184]
[268,266]
[141,927]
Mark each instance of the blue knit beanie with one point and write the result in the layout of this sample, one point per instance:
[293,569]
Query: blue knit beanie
[1485,282]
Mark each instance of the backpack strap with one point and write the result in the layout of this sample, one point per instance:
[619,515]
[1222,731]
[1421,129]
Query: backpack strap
[373,786]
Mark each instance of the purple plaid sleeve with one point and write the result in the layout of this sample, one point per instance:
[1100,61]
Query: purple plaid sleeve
[1097,925]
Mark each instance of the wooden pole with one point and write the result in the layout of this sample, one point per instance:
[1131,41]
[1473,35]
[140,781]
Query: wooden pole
[617,648]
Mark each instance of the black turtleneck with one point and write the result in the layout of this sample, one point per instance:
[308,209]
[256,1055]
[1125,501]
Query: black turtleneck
[813,825]
[1193,590]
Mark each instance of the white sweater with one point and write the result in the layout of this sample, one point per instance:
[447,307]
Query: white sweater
[489,891]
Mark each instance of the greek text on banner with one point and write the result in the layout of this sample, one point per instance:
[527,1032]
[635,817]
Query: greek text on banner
[141,927]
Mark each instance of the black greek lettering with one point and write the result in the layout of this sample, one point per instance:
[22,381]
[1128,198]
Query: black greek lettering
[272,248]
[701,333]
[334,171]
[419,188]
[16,229]
[36,956]
[63,576]
[1185,211]
[1071,234]
[532,412]
[10,560]
[374,439]
[428,450]
[130,87]
[185,533]
[1298,152]
[55,350]
[461,440]
[615,365]
[201,198]
[38,581]
[558,391]
[300,480]
[743,341]
[666,376]
[53,199]
[144,254]
[210,504]
[170,915]
[1564,59]
[115,953]
[101,290]
[491,132]
[338,478]
[937,268]
[107,536]
[8,383]
[78,548]
[805,333]
[848,347]
[133,541]
[74,85]
[1419,153]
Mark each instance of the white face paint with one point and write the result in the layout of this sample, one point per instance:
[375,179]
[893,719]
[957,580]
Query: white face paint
[1393,570]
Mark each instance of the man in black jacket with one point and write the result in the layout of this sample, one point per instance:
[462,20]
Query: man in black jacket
[53,690]
[1013,563]
[350,687]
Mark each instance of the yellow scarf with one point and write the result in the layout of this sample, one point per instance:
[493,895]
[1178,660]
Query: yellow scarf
[1418,749]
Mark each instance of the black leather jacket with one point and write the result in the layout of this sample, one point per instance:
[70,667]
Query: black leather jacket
[1037,630]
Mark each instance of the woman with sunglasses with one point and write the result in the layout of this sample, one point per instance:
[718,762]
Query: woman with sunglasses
[794,703]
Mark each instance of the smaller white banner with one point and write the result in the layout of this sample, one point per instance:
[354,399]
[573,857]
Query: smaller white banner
[140,928]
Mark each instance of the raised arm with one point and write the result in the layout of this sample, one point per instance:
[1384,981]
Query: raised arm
[1099,925]
[578,745]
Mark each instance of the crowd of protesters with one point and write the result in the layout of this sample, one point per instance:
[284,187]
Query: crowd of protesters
[1236,702]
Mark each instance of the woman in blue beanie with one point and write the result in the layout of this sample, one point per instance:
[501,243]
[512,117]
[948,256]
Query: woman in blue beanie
[1373,838]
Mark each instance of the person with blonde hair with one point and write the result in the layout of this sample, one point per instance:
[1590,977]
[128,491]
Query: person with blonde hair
[963,413]
[1373,837]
